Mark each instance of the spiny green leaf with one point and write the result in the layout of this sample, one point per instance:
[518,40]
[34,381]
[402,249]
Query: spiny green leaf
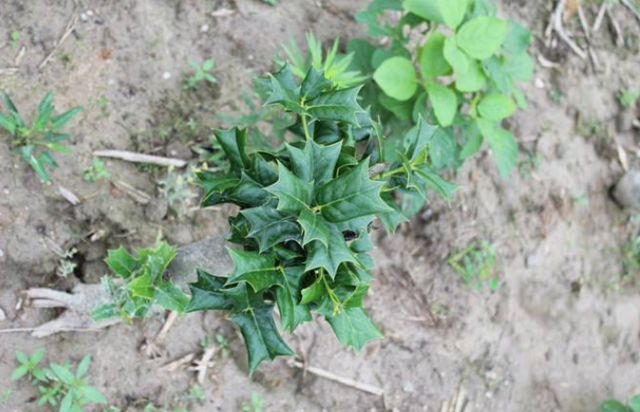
[418,138]
[292,314]
[206,294]
[432,180]
[255,320]
[170,297]
[232,142]
[395,217]
[257,270]
[329,257]
[293,193]
[247,192]
[314,83]
[338,105]
[215,185]
[270,227]
[314,292]
[353,327]
[122,263]
[315,163]
[314,227]
[397,78]
[351,195]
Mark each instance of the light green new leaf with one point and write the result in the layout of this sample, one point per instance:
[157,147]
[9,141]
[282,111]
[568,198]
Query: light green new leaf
[314,292]
[170,297]
[452,11]
[397,78]
[518,38]
[520,66]
[432,60]
[351,195]
[634,403]
[456,57]
[329,257]
[121,262]
[293,194]
[337,105]
[612,405]
[427,9]
[353,327]
[315,163]
[257,270]
[444,102]
[270,227]
[432,180]
[93,395]
[314,227]
[503,145]
[473,80]
[481,37]
[496,107]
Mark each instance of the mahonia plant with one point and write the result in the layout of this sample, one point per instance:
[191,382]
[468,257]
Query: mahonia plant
[33,142]
[457,65]
[305,215]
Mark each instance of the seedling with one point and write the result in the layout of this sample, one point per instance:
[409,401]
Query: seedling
[144,284]
[475,265]
[178,188]
[305,212]
[15,37]
[529,164]
[255,404]
[5,396]
[58,384]
[33,142]
[97,171]
[224,345]
[630,259]
[66,265]
[203,72]
[612,405]
[468,63]
[628,98]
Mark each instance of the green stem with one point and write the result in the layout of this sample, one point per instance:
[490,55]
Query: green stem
[336,302]
[305,127]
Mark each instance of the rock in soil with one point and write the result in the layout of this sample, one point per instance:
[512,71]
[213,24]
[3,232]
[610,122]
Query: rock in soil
[156,210]
[624,120]
[2,315]
[627,191]
[178,150]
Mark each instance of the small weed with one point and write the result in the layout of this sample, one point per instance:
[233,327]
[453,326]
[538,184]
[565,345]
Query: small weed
[612,405]
[580,200]
[556,95]
[224,345]
[97,171]
[66,266]
[15,37]
[58,384]
[34,142]
[178,189]
[630,258]
[196,393]
[593,129]
[475,265]
[529,164]
[255,404]
[203,72]
[628,98]
[5,396]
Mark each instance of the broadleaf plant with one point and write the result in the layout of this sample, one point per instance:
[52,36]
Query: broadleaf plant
[33,142]
[457,66]
[301,236]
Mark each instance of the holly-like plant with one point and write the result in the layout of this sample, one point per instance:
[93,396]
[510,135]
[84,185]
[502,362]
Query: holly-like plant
[305,213]
[453,62]
[33,142]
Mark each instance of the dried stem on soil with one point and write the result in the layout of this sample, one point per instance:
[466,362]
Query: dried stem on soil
[364,387]
[140,158]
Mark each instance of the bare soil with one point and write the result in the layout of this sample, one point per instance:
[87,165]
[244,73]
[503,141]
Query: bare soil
[560,334]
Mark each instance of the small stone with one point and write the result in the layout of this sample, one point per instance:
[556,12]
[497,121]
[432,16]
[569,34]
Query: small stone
[84,17]
[407,387]
[1,254]
[3,316]
[166,75]
[540,83]
[180,235]
[531,260]
[627,191]
[204,28]
[156,210]
[177,149]
[89,12]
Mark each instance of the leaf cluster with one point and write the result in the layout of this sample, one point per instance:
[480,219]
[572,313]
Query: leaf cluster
[475,265]
[58,384]
[462,73]
[202,72]
[33,142]
[141,281]
[612,405]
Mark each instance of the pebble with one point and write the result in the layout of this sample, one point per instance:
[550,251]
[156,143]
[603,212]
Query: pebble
[627,191]
[204,28]
[84,17]
[166,75]
[3,316]
[156,210]
[407,387]
[540,83]
[531,260]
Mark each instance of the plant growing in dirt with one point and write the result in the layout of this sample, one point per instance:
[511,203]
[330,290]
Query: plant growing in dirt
[202,72]
[98,171]
[306,210]
[33,142]
[475,265]
[628,98]
[612,405]
[453,62]
[59,386]
[142,283]
[178,188]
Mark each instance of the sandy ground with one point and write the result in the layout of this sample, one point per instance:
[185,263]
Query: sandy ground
[558,335]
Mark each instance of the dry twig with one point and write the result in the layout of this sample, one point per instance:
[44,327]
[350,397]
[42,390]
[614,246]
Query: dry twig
[140,158]
[629,6]
[364,387]
[558,27]
[67,32]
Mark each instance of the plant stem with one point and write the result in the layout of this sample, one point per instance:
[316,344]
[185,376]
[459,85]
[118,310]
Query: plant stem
[305,127]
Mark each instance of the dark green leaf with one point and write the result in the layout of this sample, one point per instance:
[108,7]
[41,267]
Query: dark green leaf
[232,142]
[292,314]
[270,227]
[395,217]
[293,194]
[314,227]
[418,138]
[60,121]
[329,257]
[351,195]
[338,105]
[206,294]
[314,84]
[258,270]
[314,292]
[315,163]
[214,186]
